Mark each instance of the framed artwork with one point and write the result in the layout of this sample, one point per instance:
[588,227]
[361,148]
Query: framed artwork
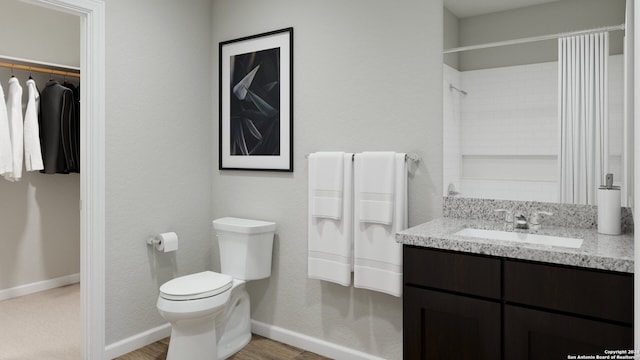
[256,102]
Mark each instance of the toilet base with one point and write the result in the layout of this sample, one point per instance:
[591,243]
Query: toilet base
[234,326]
[184,345]
[228,349]
[191,339]
[211,328]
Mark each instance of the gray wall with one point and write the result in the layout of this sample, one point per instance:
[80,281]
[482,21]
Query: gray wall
[37,33]
[368,76]
[450,37]
[371,86]
[549,18]
[39,215]
[159,160]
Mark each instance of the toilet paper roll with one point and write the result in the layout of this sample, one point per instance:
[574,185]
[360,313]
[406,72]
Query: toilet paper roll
[167,242]
[609,211]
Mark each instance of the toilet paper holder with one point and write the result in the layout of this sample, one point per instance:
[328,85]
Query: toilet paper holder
[165,242]
[154,241]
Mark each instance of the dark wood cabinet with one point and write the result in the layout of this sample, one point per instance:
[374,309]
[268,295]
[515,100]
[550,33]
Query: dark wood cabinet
[599,294]
[540,335]
[468,306]
[438,325]
[454,272]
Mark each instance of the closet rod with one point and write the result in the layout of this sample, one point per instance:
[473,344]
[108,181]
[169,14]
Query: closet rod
[532,39]
[39,69]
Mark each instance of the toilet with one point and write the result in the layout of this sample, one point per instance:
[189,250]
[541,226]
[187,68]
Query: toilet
[209,312]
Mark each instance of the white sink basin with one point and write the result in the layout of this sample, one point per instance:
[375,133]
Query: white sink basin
[521,237]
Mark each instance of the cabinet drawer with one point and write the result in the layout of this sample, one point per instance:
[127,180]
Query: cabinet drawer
[452,271]
[585,292]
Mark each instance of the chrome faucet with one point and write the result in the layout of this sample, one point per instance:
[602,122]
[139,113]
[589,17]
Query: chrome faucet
[517,219]
[520,221]
[514,218]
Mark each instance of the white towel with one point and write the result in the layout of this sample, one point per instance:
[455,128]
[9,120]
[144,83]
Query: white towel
[375,187]
[6,158]
[326,178]
[330,241]
[377,255]
[14,112]
[32,150]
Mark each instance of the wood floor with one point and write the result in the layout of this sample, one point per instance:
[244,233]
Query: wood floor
[259,348]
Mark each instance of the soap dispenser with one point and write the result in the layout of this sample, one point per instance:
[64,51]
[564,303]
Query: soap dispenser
[609,208]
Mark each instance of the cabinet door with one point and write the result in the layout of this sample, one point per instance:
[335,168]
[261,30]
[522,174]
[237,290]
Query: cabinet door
[539,335]
[439,325]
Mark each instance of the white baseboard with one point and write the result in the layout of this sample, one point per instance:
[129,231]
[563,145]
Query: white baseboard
[318,346]
[39,286]
[137,341]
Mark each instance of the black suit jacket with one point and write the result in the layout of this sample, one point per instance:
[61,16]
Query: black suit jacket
[57,112]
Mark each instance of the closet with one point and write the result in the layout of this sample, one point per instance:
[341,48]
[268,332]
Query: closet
[39,121]
[39,213]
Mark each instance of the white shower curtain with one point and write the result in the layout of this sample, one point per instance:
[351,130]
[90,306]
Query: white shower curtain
[583,112]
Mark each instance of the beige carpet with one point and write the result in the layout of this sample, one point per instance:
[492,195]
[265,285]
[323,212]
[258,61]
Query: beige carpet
[45,325]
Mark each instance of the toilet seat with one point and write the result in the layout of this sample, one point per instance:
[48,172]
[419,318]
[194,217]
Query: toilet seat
[196,286]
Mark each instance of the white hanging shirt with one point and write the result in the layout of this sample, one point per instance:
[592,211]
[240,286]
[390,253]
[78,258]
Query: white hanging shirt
[14,112]
[6,158]
[32,151]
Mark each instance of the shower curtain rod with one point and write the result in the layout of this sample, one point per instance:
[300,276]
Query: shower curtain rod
[37,66]
[533,39]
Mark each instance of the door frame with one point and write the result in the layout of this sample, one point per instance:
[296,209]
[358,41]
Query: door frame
[92,163]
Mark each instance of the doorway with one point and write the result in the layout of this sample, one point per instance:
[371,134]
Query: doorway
[92,186]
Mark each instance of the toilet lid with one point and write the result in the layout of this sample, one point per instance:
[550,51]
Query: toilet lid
[196,286]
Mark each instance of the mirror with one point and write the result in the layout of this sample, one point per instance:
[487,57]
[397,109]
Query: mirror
[502,120]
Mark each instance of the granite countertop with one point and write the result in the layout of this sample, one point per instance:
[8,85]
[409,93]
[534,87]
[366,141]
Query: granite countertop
[598,251]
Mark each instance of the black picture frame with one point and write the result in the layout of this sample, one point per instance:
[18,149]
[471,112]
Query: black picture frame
[256,102]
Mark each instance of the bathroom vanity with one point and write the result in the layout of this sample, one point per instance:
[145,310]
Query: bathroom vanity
[476,286]
[470,297]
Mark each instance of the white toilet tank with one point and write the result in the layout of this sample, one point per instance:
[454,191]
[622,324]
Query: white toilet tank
[246,247]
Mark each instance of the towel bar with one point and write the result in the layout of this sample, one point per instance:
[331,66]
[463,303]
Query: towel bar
[413,157]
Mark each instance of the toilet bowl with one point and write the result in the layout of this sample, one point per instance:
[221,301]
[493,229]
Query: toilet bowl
[209,312]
